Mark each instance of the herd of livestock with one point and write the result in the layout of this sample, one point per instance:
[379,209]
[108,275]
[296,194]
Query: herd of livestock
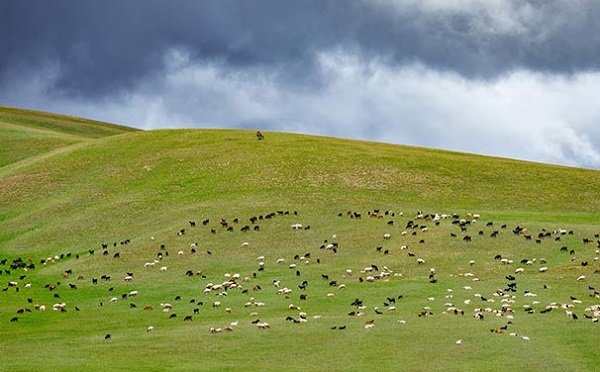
[301,287]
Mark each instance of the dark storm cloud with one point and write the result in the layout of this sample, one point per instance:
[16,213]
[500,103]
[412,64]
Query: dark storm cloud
[103,47]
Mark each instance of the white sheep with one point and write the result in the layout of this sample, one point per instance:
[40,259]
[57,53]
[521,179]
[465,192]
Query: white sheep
[59,306]
[263,325]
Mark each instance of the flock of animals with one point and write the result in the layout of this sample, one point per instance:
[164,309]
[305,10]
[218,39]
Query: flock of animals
[299,283]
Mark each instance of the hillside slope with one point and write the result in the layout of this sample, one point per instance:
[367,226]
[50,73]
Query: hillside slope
[26,134]
[211,250]
[158,176]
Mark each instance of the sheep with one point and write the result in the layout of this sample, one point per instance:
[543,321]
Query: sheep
[150,329]
[581,278]
[163,268]
[262,325]
[59,306]
[387,236]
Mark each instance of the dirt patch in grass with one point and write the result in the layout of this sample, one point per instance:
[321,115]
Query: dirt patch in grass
[12,186]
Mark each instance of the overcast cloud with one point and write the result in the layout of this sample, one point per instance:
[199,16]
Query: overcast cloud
[511,78]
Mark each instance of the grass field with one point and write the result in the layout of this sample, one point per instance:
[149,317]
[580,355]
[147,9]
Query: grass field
[68,186]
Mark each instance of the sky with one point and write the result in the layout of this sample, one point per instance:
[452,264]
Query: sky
[510,78]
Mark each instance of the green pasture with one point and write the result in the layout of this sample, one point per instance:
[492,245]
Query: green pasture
[69,185]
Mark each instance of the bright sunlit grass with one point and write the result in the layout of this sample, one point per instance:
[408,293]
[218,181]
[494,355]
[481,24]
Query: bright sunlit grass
[86,184]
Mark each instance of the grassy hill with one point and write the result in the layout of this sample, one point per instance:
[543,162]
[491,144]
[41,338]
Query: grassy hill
[69,185]
[27,134]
